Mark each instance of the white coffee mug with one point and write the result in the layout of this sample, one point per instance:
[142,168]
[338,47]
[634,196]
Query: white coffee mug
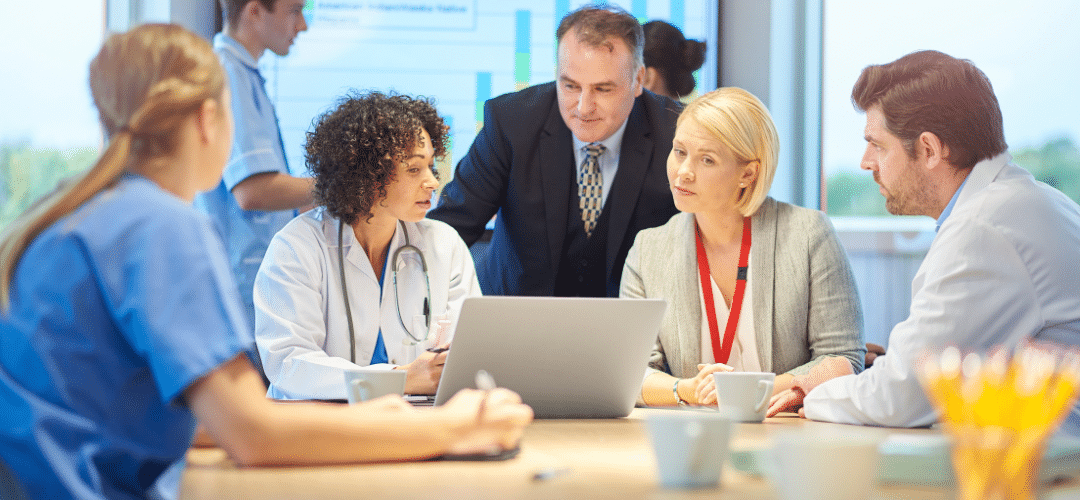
[821,464]
[745,395]
[690,447]
[362,384]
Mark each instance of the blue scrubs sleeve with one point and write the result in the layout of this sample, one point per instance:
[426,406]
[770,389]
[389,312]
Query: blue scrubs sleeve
[257,145]
[178,303]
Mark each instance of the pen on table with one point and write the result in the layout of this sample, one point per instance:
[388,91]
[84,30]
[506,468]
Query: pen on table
[485,383]
[550,473]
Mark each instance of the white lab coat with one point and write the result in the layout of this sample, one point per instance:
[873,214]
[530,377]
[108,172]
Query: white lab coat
[300,324]
[1003,268]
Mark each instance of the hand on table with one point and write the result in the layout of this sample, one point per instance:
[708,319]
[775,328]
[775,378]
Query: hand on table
[486,421]
[705,386]
[424,372]
[792,399]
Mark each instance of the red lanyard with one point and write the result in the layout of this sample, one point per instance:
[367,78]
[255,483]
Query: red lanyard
[721,351]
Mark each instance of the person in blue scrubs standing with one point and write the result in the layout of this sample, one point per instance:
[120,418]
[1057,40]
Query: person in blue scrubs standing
[257,195]
[121,325]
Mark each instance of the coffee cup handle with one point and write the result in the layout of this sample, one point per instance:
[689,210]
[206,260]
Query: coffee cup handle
[766,393]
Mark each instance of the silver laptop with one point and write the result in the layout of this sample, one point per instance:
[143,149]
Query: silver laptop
[566,357]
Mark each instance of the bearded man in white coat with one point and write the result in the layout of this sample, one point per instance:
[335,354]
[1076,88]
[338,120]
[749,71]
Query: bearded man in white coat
[1004,266]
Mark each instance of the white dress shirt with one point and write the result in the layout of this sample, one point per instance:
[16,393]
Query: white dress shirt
[300,323]
[744,353]
[1003,268]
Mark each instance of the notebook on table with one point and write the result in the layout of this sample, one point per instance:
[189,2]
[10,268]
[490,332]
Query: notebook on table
[566,357]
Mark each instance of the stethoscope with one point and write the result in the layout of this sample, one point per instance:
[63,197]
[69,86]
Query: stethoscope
[407,247]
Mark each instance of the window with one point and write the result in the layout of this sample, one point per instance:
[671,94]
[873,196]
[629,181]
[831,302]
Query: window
[49,128]
[1025,49]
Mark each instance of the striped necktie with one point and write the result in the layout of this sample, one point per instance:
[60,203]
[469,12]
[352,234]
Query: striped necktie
[590,187]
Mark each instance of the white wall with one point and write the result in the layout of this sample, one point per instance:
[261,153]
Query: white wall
[773,50]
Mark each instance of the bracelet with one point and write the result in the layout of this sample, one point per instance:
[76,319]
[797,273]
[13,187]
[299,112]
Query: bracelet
[678,398]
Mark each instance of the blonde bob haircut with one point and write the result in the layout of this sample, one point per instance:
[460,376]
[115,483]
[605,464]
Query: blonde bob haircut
[738,120]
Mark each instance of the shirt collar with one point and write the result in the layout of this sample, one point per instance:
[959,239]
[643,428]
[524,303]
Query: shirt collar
[980,176]
[948,208]
[236,49]
[612,143]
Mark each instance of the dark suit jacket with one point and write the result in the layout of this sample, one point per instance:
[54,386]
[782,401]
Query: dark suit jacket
[522,167]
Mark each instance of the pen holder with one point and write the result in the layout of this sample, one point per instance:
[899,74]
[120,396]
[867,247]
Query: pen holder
[1000,412]
[994,463]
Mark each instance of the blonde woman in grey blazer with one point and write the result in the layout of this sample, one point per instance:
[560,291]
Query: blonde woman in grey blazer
[803,305]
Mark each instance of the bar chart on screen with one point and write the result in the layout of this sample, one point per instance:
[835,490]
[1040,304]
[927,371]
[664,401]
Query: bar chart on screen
[458,52]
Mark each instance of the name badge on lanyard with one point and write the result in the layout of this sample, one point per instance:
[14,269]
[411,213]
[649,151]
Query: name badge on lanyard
[722,350]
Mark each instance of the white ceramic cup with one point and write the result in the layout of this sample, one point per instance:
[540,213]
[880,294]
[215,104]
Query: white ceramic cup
[744,395]
[821,464]
[690,447]
[362,384]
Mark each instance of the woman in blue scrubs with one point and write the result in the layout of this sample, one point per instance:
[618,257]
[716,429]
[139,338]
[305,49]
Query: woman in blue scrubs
[121,325]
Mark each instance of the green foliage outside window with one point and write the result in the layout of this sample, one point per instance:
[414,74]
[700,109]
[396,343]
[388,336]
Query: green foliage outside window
[1057,163]
[27,173]
[854,193]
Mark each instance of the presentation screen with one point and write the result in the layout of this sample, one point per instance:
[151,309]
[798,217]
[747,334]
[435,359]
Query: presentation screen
[458,52]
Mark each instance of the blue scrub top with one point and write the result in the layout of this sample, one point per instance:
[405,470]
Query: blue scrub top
[115,310]
[257,148]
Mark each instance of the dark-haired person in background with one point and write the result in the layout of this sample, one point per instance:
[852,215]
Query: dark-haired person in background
[573,168]
[1004,267]
[372,159]
[670,60]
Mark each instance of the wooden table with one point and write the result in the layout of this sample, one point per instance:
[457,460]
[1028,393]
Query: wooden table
[609,458]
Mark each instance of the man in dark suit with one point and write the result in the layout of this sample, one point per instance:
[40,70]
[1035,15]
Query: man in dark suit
[573,168]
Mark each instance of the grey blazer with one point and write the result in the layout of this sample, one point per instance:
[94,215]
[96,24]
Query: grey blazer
[804,297]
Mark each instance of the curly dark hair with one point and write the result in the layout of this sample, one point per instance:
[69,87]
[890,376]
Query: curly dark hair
[354,150]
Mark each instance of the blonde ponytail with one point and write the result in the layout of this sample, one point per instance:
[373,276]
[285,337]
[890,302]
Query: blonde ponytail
[144,83]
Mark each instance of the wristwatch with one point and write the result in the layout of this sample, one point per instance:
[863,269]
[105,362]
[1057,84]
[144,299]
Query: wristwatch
[675,391]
